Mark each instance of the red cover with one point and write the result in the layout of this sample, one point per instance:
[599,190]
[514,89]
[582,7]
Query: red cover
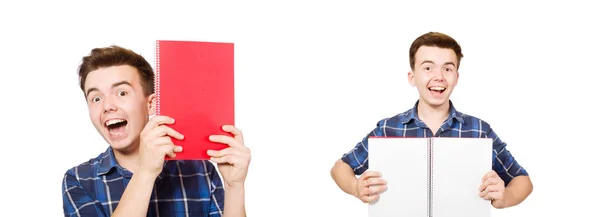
[195,86]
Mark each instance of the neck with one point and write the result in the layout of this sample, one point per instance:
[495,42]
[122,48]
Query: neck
[436,114]
[128,158]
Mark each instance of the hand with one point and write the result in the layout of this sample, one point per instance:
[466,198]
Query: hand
[233,161]
[155,143]
[492,188]
[369,186]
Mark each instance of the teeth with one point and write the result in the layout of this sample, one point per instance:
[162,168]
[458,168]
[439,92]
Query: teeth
[114,121]
[437,88]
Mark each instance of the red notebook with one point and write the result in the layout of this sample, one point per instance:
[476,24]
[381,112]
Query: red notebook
[195,86]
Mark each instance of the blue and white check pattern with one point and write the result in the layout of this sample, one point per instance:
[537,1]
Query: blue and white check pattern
[184,188]
[408,124]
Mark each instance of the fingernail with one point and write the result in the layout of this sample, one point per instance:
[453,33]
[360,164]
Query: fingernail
[210,152]
[211,138]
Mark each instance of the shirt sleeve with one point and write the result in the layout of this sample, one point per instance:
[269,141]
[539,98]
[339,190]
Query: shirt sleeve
[216,191]
[358,157]
[76,202]
[505,165]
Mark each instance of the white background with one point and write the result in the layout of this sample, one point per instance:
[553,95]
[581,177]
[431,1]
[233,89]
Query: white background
[311,81]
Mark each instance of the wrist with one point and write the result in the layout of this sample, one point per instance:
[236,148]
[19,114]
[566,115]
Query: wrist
[236,191]
[355,188]
[504,202]
[235,188]
[144,176]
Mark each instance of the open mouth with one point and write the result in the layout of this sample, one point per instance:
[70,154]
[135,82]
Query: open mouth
[437,89]
[116,127]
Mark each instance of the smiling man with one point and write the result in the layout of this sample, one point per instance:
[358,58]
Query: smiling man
[434,60]
[131,178]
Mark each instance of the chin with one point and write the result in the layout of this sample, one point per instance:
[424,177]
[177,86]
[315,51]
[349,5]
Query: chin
[122,145]
[436,102]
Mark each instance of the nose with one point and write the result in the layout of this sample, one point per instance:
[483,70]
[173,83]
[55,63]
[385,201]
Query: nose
[438,75]
[109,105]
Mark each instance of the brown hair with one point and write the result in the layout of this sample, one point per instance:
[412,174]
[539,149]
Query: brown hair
[116,56]
[435,39]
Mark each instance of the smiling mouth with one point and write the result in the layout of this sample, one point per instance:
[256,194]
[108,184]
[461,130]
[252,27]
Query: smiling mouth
[437,89]
[116,127]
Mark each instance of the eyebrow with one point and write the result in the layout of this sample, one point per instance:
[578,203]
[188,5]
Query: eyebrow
[87,93]
[446,63]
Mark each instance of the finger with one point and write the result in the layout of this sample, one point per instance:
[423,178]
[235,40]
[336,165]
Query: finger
[378,189]
[370,198]
[371,174]
[225,140]
[178,148]
[489,181]
[484,195]
[237,134]
[159,120]
[376,181]
[493,188]
[487,175]
[158,142]
[221,153]
[166,131]
[229,159]
[167,150]
[495,195]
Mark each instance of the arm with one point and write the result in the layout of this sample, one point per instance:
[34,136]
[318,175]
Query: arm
[234,202]
[344,177]
[353,163]
[136,197]
[516,192]
[232,163]
[232,197]
[515,178]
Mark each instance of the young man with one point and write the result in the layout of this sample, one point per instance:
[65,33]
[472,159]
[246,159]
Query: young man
[434,60]
[131,178]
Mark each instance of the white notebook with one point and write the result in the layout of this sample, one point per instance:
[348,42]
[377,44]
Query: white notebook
[431,177]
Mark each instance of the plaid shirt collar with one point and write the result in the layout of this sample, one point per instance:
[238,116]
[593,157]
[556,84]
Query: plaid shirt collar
[108,162]
[412,114]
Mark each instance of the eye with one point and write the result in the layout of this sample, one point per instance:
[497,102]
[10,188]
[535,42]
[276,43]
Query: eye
[96,99]
[448,69]
[121,93]
[428,68]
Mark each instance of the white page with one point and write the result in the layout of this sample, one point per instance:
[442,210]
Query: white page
[403,163]
[458,167]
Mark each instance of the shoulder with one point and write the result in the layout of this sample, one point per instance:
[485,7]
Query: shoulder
[473,122]
[81,175]
[396,120]
[87,168]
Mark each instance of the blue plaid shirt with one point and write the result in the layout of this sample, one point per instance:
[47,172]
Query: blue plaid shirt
[408,124]
[184,188]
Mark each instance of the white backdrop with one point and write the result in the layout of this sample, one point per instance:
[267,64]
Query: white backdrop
[311,81]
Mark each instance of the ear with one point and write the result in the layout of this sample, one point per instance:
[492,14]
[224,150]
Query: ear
[151,100]
[411,78]
[457,75]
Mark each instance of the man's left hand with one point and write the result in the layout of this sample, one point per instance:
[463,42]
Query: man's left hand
[234,160]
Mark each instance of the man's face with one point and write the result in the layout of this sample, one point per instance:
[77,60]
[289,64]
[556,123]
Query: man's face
[435,75]
[117,105]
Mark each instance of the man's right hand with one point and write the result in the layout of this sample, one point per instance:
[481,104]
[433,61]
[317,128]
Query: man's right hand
[369,186]
[156,143]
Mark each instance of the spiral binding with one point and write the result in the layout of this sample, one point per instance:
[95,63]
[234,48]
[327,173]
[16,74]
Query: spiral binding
[157,78]
[430,177]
